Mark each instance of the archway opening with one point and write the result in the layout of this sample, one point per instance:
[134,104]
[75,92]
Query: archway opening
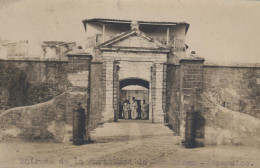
[134,81]
[134,99]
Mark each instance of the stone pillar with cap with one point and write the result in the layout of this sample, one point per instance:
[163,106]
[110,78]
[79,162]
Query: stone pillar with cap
[79,67]
[191,86]
[135,25]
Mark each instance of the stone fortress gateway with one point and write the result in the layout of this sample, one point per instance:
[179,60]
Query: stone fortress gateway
[135,52]
[121,53]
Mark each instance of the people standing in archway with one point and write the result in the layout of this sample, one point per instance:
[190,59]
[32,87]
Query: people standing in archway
[121,110]
[134,108]
[144,110]
[126,109]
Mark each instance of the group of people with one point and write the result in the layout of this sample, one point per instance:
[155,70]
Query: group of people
[134,110]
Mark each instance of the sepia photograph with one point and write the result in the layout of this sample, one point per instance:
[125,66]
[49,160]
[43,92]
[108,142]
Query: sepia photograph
[129,83]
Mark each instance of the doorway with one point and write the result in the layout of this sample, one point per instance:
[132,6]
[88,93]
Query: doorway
[133,99]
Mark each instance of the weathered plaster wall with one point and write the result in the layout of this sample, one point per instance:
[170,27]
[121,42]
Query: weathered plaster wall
[24,83]
[57,50]
[40,121]
[35,50]
[228,127]
[236,88]
[30,82]
[14,49]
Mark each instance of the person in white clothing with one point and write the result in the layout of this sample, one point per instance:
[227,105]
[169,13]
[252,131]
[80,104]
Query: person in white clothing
[144,110]
[126,109]
[134,108]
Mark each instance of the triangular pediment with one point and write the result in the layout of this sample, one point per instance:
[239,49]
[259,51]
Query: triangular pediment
[132,39]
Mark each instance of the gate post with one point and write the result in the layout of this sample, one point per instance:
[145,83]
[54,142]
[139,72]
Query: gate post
[79,130]
[190,129]
[79,66]
[191,86]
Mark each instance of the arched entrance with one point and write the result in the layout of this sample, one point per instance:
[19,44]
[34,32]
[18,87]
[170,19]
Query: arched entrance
[133,81]
[134,99]
[123,71]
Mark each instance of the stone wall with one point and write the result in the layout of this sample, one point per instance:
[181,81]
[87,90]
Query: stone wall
[29,90]
[57,50]
[236,88]
[30,82]
[26,83]
[228,127]
[14,49]
[191,89]
[41,121]
[173,97]
[32,50]
[96,94]
[184,89]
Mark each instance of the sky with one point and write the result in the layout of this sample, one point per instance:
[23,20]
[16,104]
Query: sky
[222,31]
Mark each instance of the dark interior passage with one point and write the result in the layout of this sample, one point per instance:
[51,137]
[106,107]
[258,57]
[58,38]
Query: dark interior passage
[134,99]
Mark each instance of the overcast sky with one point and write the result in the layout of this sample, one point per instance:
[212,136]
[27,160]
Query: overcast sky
[223,31]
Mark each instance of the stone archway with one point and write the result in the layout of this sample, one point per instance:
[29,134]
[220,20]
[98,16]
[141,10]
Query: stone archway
[147,68]
[133,55]
[134,81]
[137,88]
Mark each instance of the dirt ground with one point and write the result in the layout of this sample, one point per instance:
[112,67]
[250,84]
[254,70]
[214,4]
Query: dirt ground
[126,144]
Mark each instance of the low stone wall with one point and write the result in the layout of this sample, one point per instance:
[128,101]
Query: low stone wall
[227,127]
[41,121]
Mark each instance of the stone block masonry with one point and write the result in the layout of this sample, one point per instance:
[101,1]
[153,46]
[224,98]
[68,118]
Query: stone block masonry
[228,127]
[48,91]
[58,77]
[191,89]
[235,88]
[173,97]
[231,102]
[158,116]
[146,61]
[25,82]
[40,121]
[79,67]
[96,94]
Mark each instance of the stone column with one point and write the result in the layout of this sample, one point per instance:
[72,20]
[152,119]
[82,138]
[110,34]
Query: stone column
[152,91]
[158,116]
[191,86]
[150,100]
[116,91]
[79,90]
[108,111]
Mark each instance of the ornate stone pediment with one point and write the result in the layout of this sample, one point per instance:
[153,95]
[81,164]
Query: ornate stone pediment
[134,39]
